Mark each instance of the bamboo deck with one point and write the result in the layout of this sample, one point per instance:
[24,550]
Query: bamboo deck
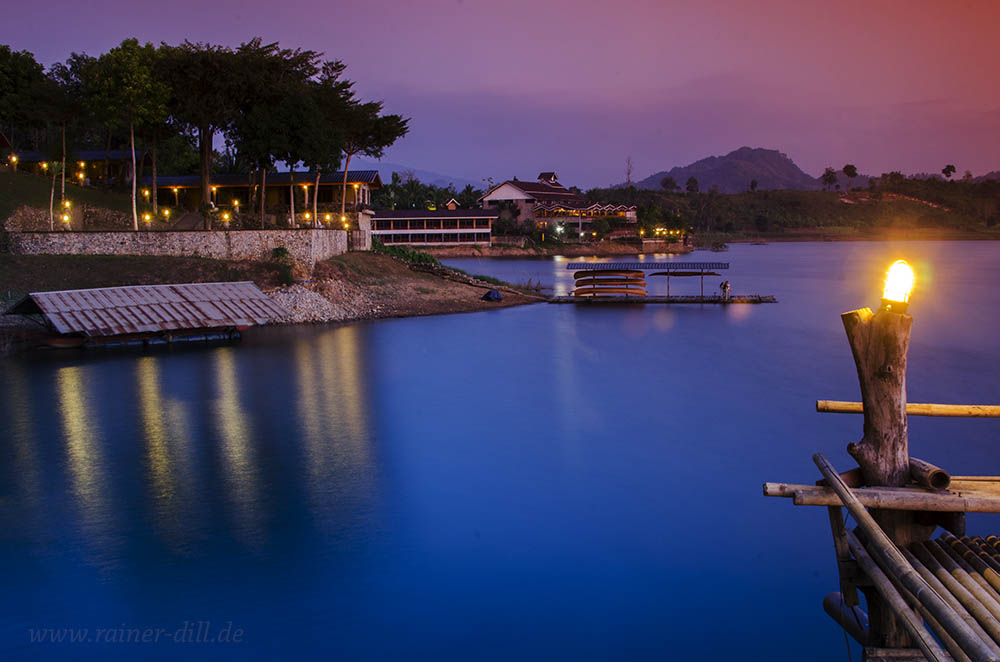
[630,300]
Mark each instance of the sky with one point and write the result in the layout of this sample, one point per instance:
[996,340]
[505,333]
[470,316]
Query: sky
[512,88]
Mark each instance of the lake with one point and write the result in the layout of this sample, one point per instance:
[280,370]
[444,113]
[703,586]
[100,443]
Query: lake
[540,482]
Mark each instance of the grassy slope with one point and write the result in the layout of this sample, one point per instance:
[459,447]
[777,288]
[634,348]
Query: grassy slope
[22,188]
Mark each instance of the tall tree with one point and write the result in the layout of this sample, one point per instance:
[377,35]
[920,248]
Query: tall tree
[366,132]
[948,170]
[692,185]
[132,92]
[850,171]
[669,184]
[204,82]
[19,72]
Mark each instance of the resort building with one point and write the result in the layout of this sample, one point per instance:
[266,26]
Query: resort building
[233,190]
[422,227]
[546,203]
[85,167]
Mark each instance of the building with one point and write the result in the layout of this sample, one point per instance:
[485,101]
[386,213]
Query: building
[233,190]
[86,167]
[548,205]
[422,227]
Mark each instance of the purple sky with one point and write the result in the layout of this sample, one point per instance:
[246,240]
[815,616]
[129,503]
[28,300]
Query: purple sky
[513,88]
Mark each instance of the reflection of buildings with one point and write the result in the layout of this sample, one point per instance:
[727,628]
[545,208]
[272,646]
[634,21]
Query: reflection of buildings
[547,203]
[83,451]
[333,413]
[238,454]
[165,427]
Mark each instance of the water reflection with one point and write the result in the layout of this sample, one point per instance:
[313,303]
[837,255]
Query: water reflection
[83,452]
[26,470]
[333,410]
[167,441]
[238,456]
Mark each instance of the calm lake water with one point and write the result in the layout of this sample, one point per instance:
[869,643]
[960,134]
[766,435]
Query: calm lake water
[544,482]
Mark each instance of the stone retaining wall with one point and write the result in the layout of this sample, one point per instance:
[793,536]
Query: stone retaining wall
[307,247]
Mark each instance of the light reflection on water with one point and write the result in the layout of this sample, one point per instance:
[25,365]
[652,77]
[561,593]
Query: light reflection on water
[588,479]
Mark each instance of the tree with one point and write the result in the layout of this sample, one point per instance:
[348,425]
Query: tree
[948,171]
[850,171]
[19,72]
[692,185]
[204,82]
[828,179]
[628,171]
[130,91]
[366,132]
[669,184]
[333,99]
[753,185]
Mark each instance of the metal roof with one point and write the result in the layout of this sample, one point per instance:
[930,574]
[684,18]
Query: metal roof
[417,214]
[116,311]
[640,266]
[370,177]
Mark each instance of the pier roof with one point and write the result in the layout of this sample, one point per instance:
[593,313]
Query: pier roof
[646,266]
[135,309]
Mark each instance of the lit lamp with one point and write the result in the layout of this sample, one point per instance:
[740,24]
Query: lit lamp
[236,204]
[214,189]
[328,217]
[65,219]
[13,158]
[177,200]
[66,204]
[45,166]
[79,176]
[147,219]
[82,164]
[225,218]
[145,192]
[898,285]
[308,216]
[166,213]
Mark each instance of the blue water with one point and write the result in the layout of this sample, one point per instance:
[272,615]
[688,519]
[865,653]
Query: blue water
[543,482]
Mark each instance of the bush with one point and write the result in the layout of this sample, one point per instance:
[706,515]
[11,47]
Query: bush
[403,253]
[283,263]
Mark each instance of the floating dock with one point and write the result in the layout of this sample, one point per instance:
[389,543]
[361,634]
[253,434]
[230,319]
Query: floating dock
[620,283]
[632,300]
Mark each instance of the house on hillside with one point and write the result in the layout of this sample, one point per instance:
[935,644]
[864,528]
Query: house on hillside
[548,205]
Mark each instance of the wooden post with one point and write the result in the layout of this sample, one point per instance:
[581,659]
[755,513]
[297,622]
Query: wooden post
[880,343]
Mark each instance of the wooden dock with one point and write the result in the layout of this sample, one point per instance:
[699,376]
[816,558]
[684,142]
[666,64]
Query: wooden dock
[632,300]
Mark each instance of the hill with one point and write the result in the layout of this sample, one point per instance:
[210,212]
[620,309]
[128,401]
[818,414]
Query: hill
[733,172]
[385,171]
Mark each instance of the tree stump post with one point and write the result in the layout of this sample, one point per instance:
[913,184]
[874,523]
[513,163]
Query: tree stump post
[880,343]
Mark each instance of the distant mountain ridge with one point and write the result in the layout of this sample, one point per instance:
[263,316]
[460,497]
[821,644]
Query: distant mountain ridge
[733,172]
[385,171]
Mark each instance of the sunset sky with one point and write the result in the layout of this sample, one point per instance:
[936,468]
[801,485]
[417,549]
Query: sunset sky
[513,88]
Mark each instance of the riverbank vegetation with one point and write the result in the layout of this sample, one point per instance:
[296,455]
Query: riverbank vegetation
[890,203]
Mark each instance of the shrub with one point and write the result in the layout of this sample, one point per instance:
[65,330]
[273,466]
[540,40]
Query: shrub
[283,263]
[403,253]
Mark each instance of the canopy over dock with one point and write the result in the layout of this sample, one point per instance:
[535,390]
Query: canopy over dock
[646,266]
[106,313]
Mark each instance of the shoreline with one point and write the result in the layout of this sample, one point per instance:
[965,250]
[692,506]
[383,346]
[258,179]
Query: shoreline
[348,288]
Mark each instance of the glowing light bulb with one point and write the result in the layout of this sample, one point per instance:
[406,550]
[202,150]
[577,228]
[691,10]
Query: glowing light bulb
[898,285]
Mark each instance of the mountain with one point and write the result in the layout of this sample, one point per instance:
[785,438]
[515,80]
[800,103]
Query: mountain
[733,172]
[385,171]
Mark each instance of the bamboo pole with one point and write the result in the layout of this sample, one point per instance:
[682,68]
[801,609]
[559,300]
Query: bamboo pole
[914,409]
[885,550]
[889,498]
[928,475]
[991,576]
[911,621]
[950,563]
[989,595]
[962,601]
